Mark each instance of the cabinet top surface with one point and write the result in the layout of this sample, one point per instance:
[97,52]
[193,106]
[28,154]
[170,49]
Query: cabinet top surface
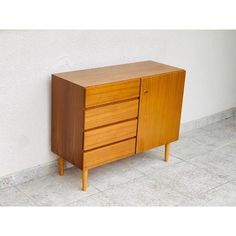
[109,74]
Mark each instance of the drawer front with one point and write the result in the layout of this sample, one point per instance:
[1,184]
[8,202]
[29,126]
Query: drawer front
[109,134]
[109,153]
[108,93]
[109,114]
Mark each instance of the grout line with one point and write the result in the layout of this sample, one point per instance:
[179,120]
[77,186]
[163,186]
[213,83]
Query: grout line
[209,151]
[96,188]
[122,183]
[198,194]
[102,191]
[144,174]
[233,181]
[137,178]
[82,198]
[205,192]
[28,196]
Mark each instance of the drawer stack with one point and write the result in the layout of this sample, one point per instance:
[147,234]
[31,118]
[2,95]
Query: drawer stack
[110,122]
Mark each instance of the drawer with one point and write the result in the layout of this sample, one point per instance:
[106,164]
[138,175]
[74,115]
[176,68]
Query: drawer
[113,92]
[109,114]
[109,134]
[109,153]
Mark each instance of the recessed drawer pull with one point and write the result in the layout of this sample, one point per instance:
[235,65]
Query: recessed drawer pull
[113,92]
[109,134]
[109,114]
[109,153]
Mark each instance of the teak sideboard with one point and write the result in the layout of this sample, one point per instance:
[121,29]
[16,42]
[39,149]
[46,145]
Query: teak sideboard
[104,114]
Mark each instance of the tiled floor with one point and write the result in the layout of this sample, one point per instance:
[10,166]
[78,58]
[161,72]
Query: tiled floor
[201,172]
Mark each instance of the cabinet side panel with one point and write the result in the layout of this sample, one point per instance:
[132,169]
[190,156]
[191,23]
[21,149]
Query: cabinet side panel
[67,120]
[160,110]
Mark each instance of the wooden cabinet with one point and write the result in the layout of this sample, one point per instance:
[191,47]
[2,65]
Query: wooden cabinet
[104,114]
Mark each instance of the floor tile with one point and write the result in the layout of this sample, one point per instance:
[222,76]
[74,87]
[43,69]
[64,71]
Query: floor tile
[107,176]
[228,124]
[192,144]
[224,195]
[144,191]
[188,179]
[221,162]
[223,131]
[13,197]
[97,199]
[201,172]
[228,150]
[150,161]
[203,140]
[57,190]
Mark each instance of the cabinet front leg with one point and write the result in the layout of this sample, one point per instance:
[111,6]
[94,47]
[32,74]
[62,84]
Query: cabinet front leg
[167,150]
[84,179]
[61,166]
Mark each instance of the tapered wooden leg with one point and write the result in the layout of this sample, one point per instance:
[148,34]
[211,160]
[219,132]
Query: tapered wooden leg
[84,179]
[61,166]
[167,150]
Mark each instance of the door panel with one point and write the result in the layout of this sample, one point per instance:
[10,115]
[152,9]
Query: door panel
[160,110]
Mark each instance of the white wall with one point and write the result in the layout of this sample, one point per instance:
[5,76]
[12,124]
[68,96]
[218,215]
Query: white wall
[28,58]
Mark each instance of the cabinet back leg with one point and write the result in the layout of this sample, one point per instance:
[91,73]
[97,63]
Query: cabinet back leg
[167,150]
[84,179]
[61,166]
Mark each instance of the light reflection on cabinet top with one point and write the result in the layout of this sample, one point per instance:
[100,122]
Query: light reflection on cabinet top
[110,74]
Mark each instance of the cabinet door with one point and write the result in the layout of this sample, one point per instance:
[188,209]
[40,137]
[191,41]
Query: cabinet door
[159,110]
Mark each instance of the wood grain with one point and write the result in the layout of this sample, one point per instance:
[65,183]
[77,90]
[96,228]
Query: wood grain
[109,134]
[160,110]
[167,150]
[109,114]
[103,94]
[67,120]
[110,74]
[61,166]
[109,153]
[84,179]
